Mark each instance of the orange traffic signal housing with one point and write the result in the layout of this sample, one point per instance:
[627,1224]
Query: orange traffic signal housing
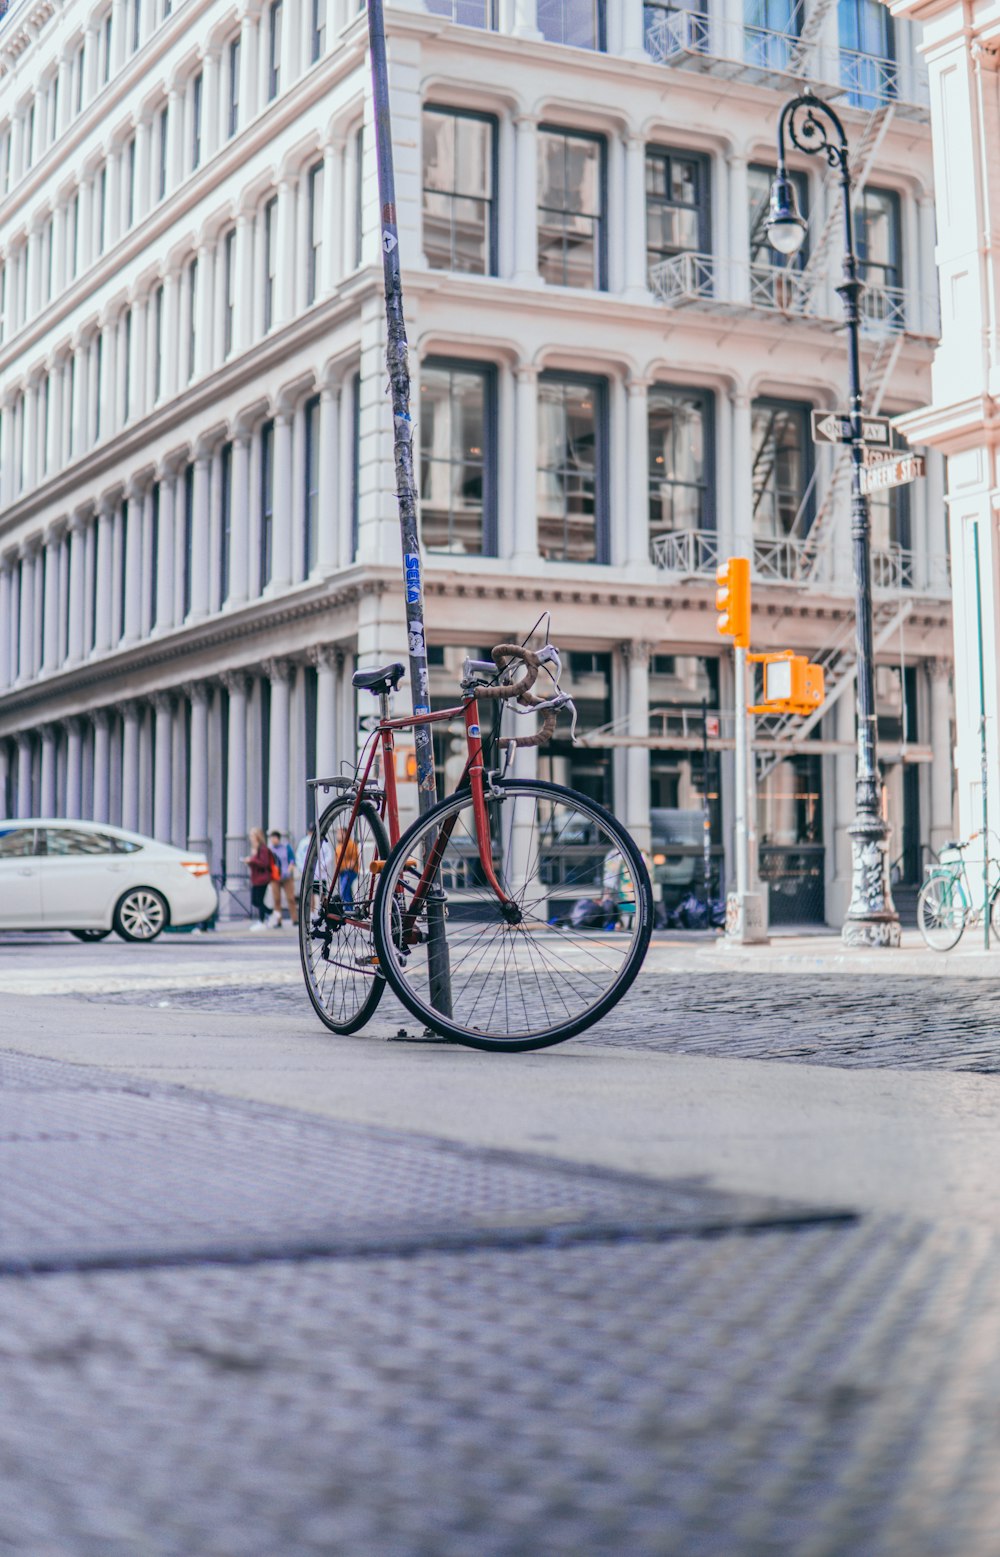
[732,600]
[791,684]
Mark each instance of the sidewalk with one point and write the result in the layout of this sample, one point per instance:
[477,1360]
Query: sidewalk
[827,952]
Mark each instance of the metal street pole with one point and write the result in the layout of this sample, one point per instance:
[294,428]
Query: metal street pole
[742,840]
[983,759]
[406,486]
[706,812]
[871,917]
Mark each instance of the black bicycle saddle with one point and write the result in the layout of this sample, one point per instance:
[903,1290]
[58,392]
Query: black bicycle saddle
[385,678]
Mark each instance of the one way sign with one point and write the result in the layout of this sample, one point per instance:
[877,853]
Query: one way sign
[835,427]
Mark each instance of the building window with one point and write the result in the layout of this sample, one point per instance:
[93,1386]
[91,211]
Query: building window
[74,236]
[126,327]
[782,466]
[877,239]
[71,438]
[46,396]
[29,136]
[101,193]
[53,109]
[130,183]
[5,150]
[158,343]
[770,31]
[229,290]
[233,82]
[266,502]
[769,287]
[270,259]
[77,79]
[314,188]
[359,195]
[678,211]
[457,457]
[571,209]
[154,550]
[192,309]
[572,465]
[867,53]
[576,22]
[106,50]
[467,13]
[273,50]
[225,519]
[317,38]
[680,460]
[127,540]
[163,146]
[459,206]
[311,507]
[136,24]
[98,358]
[45,260]
[186,582]
[196,97]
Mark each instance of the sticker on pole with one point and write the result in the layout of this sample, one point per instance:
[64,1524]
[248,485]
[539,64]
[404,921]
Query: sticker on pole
[411,564]
[389,240]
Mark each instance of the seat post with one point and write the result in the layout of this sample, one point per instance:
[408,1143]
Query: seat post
[383,705]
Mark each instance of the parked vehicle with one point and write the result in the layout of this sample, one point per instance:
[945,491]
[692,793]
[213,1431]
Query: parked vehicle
[91,878]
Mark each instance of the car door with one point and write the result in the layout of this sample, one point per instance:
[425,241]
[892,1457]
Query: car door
[20,895]
[79,872]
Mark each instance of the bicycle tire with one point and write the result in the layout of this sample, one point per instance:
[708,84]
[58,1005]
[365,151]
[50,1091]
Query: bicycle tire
[995,912]
[343,991]
[941,911]
[537,972]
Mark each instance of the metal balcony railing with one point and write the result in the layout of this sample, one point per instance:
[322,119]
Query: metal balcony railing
[686,551]
[716,45]
[788,559]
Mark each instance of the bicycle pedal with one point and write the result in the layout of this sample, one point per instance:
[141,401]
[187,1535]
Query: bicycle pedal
[366,962]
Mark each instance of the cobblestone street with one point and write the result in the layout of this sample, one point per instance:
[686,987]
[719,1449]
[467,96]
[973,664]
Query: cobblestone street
[264,1291]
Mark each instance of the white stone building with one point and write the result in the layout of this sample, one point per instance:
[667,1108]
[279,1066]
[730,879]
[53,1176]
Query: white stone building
[961,44]
[612,381]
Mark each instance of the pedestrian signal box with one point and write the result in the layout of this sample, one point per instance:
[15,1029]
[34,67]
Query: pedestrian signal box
[732,601]
[791,684]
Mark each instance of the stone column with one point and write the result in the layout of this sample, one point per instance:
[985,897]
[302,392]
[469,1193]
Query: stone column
[6,598]
[165,550]
[637,439]
[74,769]
[329,663]
[163,765]
[236,798]
[243,312]
[526,465]
[333,215]
[735,282]
[526,19]
[526,200]
[327,549]
[942,808]
[636,656]
[198,768]
[102,764]
[281,538]
[26,647]
[284,284]
[239,507]
[636,285]
[130,766]
[47,797]
[277,672]
[210,105]
[203,312]
[135,590]
[742,474]
[25,805]
[248,68]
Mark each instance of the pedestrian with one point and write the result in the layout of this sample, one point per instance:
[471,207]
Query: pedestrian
[347,854]
[284,883]
[260,863]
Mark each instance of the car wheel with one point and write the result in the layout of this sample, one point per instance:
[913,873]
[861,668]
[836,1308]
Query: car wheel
[140,915]
[90,935]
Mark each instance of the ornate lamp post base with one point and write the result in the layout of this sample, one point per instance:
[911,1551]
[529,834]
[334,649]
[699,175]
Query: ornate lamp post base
[871,919]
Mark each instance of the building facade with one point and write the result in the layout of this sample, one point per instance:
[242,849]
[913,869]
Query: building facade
[961,44]
[612,379]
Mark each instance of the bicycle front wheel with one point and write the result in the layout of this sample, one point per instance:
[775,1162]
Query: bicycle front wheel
[540,968]
[941,911]
[342,978]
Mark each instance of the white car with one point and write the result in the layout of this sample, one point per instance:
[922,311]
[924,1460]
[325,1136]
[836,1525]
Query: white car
[91,878]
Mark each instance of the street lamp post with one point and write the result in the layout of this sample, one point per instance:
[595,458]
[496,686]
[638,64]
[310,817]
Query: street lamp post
[871,918]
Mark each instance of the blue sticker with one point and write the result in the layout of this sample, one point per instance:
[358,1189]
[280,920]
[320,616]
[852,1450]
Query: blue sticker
[412,567]
[474,729]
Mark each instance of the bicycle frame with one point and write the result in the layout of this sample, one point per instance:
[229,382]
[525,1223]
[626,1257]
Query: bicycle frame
[474,771]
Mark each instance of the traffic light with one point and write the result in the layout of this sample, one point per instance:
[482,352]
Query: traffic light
[791,684]
[732,600]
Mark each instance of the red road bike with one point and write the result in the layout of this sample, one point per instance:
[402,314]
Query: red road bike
[511,915]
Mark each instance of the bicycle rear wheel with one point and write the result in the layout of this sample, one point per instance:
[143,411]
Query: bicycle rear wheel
[941,911]
[342,978]
[535,975]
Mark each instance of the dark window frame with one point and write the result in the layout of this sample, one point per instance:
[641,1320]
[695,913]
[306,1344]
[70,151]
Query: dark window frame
[266,553]
[197,97]
[314,245]
[312,436]
[600,44]
[801,409]
[602,473]
[187,580]
[706,397]
[225,521]
[601,247]
[270,218]
[233,66]
[490,466]
[657,152]
[492,225]
[317,30]
[228,291]
[275,22]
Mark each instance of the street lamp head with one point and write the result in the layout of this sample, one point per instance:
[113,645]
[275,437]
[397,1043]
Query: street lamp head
[786,231]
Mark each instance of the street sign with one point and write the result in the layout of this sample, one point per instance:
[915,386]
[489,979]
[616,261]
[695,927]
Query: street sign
[835,427]
[892,473]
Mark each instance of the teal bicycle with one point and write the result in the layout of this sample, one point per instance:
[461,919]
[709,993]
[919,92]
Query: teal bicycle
[949,901]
